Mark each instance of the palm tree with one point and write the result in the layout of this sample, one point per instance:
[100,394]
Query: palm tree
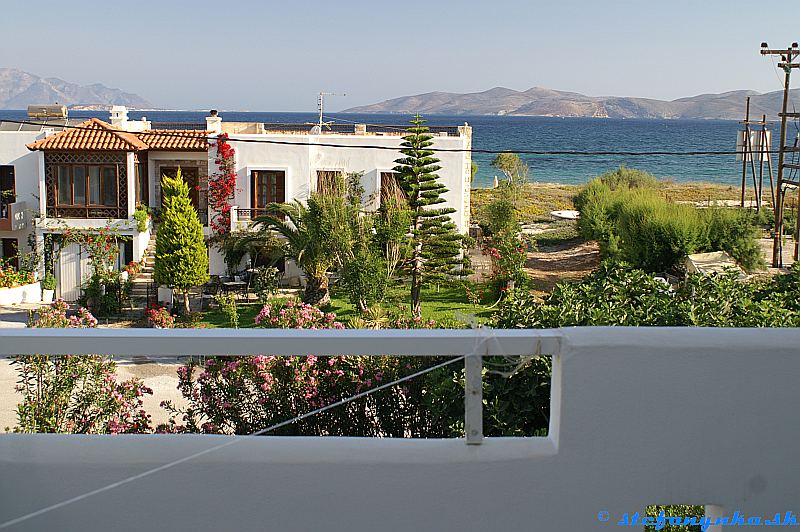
[315,240]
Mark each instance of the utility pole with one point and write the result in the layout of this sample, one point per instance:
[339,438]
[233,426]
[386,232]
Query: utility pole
[787,57]
[754,144]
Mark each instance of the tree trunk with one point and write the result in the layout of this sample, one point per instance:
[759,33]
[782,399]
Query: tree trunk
[416,282]
[316,292]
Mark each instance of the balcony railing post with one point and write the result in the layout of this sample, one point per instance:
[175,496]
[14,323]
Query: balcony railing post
[473,399]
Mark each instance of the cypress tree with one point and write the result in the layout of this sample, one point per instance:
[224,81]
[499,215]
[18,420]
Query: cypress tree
[436,245]
[181,253]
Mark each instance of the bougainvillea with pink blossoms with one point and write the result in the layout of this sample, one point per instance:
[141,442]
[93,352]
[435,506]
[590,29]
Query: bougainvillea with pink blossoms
[245,394]
[222,186]
[76,393]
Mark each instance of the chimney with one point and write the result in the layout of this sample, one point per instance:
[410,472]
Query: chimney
[214,122]
[119,116]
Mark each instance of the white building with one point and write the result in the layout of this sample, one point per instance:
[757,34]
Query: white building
[93,174]
[280,163]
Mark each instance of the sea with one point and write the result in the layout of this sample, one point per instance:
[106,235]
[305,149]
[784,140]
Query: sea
[520,133]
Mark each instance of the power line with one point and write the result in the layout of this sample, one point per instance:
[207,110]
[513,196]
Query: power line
[179,134]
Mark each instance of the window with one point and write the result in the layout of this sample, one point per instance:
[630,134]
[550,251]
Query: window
[266,186]
[390,189]
[86,185]
[269,186]
[142,184]
[328,181]
[7,189]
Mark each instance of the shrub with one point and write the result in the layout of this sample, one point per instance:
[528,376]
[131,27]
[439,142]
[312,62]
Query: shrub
[76,393]
[141,215]
[49,282]
[265,282]
[624,177]
[296,315]
[639,226]
[160,317]
[11,277]
[364,278]
[227,304]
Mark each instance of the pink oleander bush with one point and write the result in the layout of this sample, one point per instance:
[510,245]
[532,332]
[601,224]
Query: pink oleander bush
[245,394]
[76,393]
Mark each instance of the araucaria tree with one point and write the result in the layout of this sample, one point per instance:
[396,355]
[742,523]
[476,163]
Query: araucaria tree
[437,250]
[181,253]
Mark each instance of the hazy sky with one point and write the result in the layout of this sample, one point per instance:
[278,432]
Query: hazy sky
[276,55]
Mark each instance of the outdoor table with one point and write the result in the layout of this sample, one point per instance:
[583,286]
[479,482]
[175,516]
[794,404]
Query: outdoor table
[234,286]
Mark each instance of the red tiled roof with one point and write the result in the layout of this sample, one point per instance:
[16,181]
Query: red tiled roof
[179,140]
[93,135]
[96,135]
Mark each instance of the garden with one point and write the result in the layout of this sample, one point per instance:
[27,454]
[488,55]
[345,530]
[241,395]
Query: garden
[402,267]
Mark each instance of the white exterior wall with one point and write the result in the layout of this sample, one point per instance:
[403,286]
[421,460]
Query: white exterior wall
[301,163]
[27,166]
[639,416]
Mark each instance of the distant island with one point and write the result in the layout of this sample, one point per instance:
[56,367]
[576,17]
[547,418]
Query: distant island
[19,89]
[538,101]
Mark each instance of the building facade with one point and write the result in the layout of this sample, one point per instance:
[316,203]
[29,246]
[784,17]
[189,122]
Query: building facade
[93,174]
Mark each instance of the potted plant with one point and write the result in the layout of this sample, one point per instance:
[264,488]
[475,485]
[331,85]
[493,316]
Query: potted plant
[48,288]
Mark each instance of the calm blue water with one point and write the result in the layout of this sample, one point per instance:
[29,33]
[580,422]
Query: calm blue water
[544,133]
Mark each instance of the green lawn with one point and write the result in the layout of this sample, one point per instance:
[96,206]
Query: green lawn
[440,305]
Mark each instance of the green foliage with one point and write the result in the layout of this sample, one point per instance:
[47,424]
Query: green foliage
[675,510]
[265,282]
[141,215]
[76,393]
[639,226]
[49,282]
[473,169]
[623,178]
[364,278]
[181,253]
[437,246]
[514,168]
[616,294]
[237,245]
[228,306]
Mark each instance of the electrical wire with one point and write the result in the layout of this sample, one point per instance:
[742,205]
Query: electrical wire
[178,134]
[233,441]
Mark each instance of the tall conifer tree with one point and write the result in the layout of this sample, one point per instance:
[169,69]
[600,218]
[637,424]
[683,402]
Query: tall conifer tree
[437,246]
[181,253]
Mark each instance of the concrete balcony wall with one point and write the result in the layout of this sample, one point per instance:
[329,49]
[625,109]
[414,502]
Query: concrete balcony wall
[639,416]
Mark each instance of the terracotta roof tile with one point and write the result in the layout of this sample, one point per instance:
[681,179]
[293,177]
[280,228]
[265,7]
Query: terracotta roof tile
[93,134]
[178,140]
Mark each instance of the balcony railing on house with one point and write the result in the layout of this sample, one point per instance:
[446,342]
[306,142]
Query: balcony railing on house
[639,416]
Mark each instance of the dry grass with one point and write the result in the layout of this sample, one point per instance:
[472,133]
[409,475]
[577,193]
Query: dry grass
[542,198]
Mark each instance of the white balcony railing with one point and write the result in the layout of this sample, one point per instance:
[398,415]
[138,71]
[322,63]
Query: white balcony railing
[639,416]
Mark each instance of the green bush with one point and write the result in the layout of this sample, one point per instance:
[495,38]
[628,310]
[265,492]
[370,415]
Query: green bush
[141,215]
[623,177]
[616,294]
[639,226]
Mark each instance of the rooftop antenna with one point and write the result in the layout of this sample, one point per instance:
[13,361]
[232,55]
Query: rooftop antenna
[321,107]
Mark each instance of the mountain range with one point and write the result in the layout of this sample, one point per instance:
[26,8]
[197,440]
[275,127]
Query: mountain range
[19,89]
[538,101]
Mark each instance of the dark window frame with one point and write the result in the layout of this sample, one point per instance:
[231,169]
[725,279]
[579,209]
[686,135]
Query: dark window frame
[87,190]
